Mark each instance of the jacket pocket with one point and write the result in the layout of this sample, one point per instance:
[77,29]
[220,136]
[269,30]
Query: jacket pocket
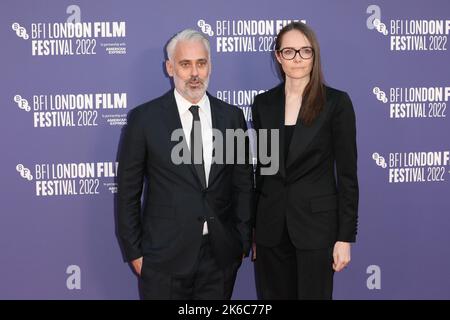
[160,211]
[223,208]
[324,203]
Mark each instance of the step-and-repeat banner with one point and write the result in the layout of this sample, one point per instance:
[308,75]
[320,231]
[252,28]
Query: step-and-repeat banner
[66,90]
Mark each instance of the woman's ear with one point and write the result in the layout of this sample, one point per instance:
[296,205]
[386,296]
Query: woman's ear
[278,56]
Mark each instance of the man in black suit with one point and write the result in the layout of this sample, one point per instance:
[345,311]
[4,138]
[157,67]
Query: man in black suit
[188,238]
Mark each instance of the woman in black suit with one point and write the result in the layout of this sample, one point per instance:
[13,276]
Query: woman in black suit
[306,214]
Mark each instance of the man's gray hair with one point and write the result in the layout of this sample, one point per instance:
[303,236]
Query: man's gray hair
[185,35]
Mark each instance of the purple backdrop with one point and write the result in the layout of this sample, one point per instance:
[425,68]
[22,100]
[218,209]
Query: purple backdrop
[66,92]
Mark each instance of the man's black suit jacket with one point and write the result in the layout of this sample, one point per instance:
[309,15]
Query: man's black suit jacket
[167,227]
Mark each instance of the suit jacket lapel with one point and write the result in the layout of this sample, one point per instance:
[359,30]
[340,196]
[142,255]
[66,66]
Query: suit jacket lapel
[173,122]
[276,107]
[219,124]
[303,135]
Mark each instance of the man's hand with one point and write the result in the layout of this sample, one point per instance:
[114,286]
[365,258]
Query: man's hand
[341,255]
[253,251]
[137,265]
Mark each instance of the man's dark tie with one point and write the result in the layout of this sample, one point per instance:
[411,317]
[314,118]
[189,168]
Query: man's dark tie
[197,145]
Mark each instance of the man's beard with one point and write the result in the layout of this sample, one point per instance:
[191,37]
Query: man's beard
[199,89]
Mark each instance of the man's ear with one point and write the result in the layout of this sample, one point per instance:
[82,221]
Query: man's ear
[169,67]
